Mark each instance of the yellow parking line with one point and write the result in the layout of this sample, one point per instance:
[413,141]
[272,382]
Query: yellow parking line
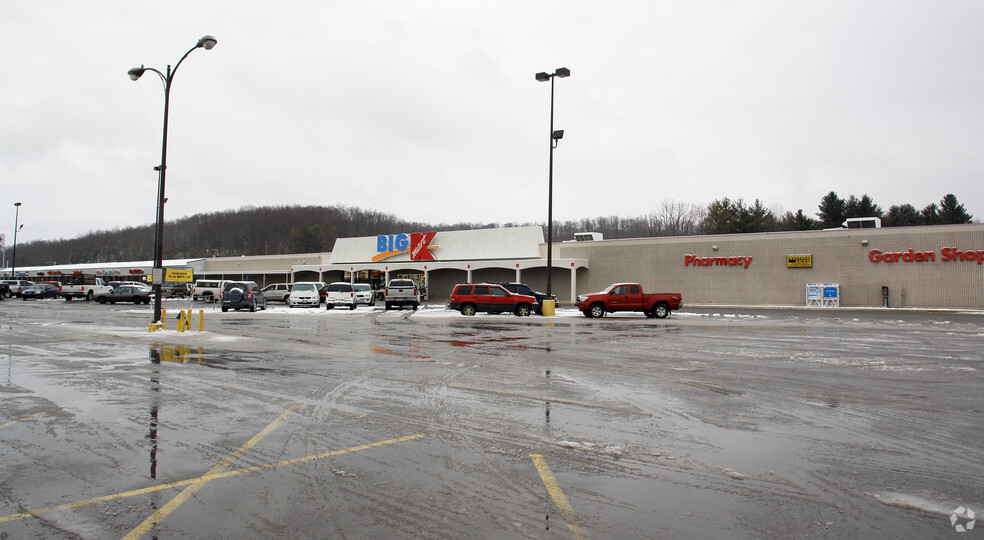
[26,418]
[208,477]
[566,510]
[189,491]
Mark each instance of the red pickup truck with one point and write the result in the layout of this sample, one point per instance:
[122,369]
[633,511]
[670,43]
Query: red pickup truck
[628,297]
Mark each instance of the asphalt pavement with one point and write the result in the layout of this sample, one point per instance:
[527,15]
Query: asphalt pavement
[715,422]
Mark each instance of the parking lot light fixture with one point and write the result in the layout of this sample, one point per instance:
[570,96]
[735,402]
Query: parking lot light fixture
[555,136]
[13,256]
[206,42]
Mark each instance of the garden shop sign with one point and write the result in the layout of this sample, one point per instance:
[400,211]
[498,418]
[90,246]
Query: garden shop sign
[947,254]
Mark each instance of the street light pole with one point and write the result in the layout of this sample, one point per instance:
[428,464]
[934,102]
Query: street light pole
[206,42]
[13,256]
[555,136]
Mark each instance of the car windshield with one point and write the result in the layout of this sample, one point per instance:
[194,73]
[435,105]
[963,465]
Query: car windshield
[362,287]
[304,287]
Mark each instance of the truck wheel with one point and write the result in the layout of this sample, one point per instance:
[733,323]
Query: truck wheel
[88,297]
[389,306]
[415,307]
[351,307]
[596,310]
[468,310]
[329,305]
[523,310]
[661,311]
[587,313]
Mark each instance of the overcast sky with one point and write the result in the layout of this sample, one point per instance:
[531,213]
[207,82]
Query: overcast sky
[430,110]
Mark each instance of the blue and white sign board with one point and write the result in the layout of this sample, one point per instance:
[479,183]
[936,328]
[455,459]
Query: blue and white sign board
[822,295]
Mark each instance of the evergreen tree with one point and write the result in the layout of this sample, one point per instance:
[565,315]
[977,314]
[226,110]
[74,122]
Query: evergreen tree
[798,222]
[863,207]
[931,214]
[951,211]
[902,216]
[831,211]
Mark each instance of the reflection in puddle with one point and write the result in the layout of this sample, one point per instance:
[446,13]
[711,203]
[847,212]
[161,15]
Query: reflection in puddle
[181,354]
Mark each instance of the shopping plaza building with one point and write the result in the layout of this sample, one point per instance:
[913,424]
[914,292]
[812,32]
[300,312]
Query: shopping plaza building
[938,266]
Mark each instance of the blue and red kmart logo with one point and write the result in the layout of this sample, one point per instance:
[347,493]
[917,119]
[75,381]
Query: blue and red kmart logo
[417,244]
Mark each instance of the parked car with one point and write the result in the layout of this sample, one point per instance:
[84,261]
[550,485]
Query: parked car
[628,297]
[278,292]
[176,289]
[470,298]
[125,293]
[364,294]
[305,294]
[522,288]
[209,290]
[17,285]
[340,293]
[401,292]
[242,295]
[115,284]
[41,291]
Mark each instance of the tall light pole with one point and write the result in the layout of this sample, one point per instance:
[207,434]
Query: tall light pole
[554,137]
[206,42]
[13,256]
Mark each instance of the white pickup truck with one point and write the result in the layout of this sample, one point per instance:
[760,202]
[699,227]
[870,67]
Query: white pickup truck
[401,292]
[84,286]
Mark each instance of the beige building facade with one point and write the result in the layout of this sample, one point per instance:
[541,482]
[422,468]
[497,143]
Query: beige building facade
[927,267]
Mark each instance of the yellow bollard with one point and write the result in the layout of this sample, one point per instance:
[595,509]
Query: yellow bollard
[548,308]
[181,321]
[201,320]
[163,319]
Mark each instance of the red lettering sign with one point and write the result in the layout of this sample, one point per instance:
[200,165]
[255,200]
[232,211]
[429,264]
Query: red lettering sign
[420,246]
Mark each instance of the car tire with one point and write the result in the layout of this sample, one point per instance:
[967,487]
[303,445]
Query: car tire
[252,307]
[389,306]
[523,310]
[661,311]
[351,307]
[88,297]
[468,310]
[415,307]
[101,299]
[329,306]
[225,309]
[597,310]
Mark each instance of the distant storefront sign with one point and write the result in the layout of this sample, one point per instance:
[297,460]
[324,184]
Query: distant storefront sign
[799,261]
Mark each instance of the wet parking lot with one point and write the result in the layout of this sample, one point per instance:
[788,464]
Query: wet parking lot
[751,423]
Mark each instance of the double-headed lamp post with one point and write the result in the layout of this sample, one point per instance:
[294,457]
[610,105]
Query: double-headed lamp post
[555,136]
[13,256]
[206,42]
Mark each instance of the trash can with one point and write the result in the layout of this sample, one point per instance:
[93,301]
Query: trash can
[884,296]
[547,308]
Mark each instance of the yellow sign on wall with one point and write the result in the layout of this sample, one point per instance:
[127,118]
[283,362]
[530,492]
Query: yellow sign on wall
[175,274]
[799,261]
[186,276]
